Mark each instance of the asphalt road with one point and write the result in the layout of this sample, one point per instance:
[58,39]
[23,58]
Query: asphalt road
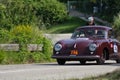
[53,71]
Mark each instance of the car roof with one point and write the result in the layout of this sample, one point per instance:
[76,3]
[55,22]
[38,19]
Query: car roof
[95,27]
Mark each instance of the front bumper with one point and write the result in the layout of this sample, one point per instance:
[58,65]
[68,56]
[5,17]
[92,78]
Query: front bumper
[72,57]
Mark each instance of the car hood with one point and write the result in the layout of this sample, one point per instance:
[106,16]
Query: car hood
[84,42]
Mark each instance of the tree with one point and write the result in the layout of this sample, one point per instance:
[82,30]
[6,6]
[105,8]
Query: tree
[112,8]
[116,25]
[31,12]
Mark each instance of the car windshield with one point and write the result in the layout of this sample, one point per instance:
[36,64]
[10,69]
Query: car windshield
[86,33]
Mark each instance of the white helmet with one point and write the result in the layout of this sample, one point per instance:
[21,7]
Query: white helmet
[90,19]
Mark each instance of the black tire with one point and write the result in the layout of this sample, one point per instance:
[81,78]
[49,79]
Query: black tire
[100,61]
[102,58]
[82,62]
[61,61]
[118,61]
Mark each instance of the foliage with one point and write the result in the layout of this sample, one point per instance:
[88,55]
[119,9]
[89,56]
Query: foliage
[23,35]
[1,56]
[65,1]
[31,12]
[115,75]
[23,57]
[105,7]
[47,48]
[116,25]
[67,27]
[110,7]
[51,11]
[5,36]
[14,14]
[113,6]
[26,34]
[17,25]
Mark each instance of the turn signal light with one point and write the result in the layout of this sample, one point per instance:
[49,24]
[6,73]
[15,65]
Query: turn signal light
[111,45]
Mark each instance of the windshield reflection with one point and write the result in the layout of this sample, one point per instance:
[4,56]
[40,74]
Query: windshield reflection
[86,33]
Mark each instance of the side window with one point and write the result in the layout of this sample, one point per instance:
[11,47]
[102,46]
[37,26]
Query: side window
[90,32]
[78,34]
[81,34]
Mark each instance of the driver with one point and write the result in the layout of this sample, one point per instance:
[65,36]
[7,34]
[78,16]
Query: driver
[91,21]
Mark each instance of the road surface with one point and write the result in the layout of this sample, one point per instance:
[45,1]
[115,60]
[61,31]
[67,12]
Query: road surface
[53,71]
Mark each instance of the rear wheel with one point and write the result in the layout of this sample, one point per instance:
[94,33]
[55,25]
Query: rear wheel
[82,62]
[118,61]
[61,61]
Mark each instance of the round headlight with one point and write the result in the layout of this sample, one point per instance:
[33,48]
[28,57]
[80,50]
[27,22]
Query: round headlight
[92,47]
[58,47]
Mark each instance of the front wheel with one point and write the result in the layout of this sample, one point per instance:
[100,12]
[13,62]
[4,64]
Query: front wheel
[100,61]
[82,62]
[61,61]
[103,57]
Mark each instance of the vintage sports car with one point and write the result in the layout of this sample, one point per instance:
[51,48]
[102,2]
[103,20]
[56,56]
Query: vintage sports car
[88,43]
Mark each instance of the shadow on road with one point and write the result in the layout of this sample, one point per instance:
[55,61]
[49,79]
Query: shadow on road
[78,64]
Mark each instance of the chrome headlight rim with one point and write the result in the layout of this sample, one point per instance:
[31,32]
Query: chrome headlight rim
[92,47]
[58,47]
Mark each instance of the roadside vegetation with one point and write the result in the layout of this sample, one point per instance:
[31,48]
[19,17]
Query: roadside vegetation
[115,75]
[39,13]
[67,26]
[24,35]
[22,22]
[116,26]
[105,9]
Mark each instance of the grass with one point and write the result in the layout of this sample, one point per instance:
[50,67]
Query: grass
[24,57]
[66,27]
[115,75]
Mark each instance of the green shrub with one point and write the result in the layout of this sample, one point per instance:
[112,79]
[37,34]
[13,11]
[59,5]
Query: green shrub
[14,14]
[51,11]
[47,48]
[31,12]
[5,36]
[23,57]
[2,55]
[26,34]
[22,34]
[116,26]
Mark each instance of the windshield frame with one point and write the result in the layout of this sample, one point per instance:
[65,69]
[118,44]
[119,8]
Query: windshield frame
[85,35]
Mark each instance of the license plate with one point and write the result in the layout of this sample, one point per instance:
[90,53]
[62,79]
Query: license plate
[74,52]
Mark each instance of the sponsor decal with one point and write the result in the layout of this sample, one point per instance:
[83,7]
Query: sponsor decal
[115,48]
